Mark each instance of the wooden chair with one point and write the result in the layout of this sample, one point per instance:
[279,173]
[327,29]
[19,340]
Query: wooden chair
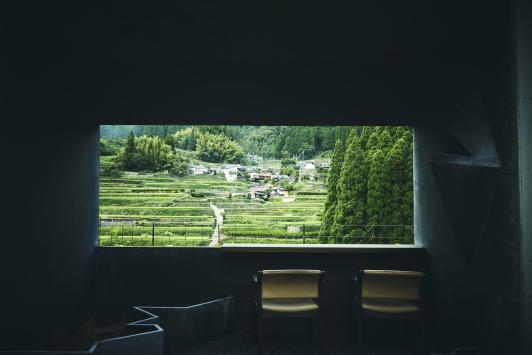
[388,294]
[288,293]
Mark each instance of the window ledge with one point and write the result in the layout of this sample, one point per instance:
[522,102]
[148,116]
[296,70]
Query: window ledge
[319,248]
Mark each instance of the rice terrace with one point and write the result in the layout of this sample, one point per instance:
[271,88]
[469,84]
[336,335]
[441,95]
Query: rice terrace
[214,185]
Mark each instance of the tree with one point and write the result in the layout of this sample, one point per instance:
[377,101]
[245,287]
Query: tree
[154,154]
[372,143]
[350,211]
[183,139]
[364,136]
[288,165]
[179,166]
[259,140]
[112,170]
[162,131]
[332,194]
[109,147]
[145,153]
[385,140]
[218,148]
[378,203]
[400,200]
[129,156]
[328,138]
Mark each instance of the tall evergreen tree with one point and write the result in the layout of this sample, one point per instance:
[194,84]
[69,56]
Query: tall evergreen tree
[129,157]
[372,143]
[385,140]
[399,166]
[328,140]
[378,192]
[364,136]
[352,189]
[332,195]
[407,205]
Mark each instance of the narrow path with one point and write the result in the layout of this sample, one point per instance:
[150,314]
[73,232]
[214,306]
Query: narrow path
[218,227]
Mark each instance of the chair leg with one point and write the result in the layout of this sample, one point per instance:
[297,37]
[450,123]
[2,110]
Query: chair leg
[319,335]
[317,342]
[259,335]
[423,338]
[258,331]
[311,333]
[352,335]
[360,334]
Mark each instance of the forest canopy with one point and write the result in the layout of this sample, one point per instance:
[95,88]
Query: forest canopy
[304,142]
[370,187]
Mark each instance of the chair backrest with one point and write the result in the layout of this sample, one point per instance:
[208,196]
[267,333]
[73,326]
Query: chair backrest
[391,284]
[290,284]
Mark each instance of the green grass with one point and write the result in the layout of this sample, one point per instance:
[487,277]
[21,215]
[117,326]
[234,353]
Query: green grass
[262,240]
[183,230]
[156,211]
[147,241]
[270,222]
[169,204]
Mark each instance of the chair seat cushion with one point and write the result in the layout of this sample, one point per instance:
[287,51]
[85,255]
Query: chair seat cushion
[389,306]
[289,304]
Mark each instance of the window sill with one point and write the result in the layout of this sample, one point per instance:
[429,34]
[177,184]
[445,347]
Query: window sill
[319,248]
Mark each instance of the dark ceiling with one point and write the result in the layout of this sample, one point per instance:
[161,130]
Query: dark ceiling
[409,61]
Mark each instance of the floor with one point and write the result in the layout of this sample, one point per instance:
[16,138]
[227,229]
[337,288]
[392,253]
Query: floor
[242,344]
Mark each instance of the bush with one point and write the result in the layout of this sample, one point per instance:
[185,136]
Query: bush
[218,148]
[150,154]
[109,146]
[113,170]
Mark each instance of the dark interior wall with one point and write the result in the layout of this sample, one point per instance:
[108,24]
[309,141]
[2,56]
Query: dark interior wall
[272,63]
[184,276]
[524,109]
[50,230]
[476,282]
[467,213]
[71,67]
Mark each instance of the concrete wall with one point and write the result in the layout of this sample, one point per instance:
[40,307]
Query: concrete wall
[466,217]
[50,230]
[467,209]
[71,68]
[186,276]
[524,111]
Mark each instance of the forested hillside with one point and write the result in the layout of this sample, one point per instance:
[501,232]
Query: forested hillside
[370,188]
[304,142]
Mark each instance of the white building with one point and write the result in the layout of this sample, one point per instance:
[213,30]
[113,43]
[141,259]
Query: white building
[307,170]
[230,171]
[198,169]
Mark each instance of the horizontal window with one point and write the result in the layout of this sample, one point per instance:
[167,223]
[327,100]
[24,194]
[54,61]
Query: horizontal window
[238,186]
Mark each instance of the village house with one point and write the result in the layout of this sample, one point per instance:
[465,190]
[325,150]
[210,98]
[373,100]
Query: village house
[215,170]
[253,176]
[256,176]
[230,168]
[307,170]
[265,176]
[279,191]
[279,177]
[197,169]
[258,192]
[230,171]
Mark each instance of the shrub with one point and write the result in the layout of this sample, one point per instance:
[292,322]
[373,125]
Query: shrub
[218,148]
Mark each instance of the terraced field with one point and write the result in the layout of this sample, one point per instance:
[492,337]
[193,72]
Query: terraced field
[162,210]
[295,219]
